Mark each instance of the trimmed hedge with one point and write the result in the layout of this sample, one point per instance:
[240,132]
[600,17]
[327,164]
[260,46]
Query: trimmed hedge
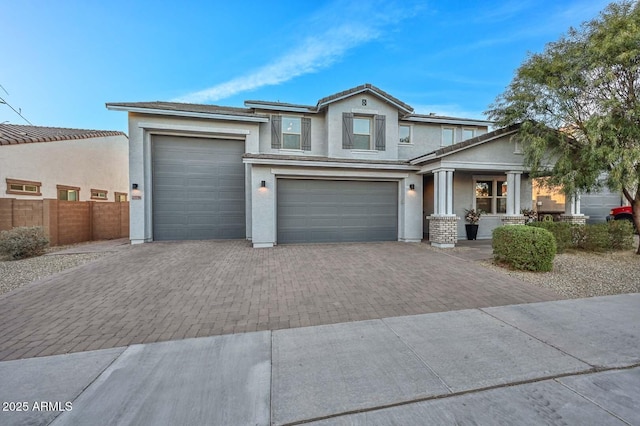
[23,242]
[614,235]
[524,247]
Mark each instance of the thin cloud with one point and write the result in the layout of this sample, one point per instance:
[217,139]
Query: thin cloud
[314,53]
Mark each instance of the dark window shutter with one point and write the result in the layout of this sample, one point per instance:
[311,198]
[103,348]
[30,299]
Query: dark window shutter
[276,131]
[380,133]
[306,134]
[347,130]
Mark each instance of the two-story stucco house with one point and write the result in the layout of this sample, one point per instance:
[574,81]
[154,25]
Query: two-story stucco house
[358,165]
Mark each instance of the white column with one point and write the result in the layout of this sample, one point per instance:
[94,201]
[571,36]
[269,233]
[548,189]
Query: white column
[436,192]
[442,192]
[572,205]
[510,194]
[449,209]
[516,192]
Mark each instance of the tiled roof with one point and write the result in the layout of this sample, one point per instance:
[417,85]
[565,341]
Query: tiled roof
[178,106]
[11,134]
[362,88]
[282,104]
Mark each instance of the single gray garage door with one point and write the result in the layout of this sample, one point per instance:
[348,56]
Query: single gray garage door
[198,188]
[311,211]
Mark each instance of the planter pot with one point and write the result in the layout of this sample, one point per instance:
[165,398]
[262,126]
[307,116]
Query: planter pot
[472,231]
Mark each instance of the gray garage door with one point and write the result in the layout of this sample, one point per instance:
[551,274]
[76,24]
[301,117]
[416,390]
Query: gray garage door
[336,211]
[198,188]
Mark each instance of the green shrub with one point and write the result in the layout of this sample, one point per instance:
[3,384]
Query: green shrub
[23,242]
[565,234]
[528,248]
[621,234]
[615,235]
[596,238]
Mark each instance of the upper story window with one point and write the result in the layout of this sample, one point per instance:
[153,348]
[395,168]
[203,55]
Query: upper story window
[468,134]
[404,133]
[98,194]
[291,132]
[23,187]
[491,195]
[68,193]
[447,136]
[361,133]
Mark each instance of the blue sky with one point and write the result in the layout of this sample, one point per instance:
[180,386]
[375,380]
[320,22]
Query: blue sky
[63,60]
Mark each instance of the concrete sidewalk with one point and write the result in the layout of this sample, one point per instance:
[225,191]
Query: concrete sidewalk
[563,362]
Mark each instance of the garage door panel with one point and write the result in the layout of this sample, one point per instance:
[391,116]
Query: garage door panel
[336,211]
[198,188]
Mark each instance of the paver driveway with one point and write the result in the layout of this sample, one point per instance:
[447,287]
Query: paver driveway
[165,291]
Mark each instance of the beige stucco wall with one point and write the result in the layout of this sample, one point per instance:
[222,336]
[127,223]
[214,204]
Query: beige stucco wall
[427,137]
[95,163]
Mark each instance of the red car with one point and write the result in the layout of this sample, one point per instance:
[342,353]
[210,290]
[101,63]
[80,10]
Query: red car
[620,213]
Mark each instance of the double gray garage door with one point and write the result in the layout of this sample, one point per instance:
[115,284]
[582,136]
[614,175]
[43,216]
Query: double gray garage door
[199,194]
[336,211]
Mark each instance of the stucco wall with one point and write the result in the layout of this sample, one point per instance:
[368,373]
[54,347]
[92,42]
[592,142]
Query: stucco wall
[427,137]
[95,163]
[375,106]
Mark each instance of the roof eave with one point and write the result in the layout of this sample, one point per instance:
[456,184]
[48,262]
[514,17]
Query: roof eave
[191,114]
[273,107]
[440,120]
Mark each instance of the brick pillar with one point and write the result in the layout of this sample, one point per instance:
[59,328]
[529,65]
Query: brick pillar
[443,230]
[514,219]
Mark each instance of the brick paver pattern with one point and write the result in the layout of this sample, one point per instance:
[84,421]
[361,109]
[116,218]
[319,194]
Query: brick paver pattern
[176,290]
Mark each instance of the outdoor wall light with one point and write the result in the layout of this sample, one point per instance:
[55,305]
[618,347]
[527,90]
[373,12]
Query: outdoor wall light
[263,184]
[412,186]
[134,186]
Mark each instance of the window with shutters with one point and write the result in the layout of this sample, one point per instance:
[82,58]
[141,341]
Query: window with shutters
[363,132]
[289,132]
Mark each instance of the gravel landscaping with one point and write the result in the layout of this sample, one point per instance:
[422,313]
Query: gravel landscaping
[16,273]
[582,274]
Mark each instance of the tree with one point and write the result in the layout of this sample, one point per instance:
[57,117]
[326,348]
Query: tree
[578,107]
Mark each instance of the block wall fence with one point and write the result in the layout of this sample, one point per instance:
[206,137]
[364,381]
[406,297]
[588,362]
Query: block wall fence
[67,222]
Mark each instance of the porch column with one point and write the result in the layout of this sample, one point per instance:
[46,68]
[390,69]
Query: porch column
[443,223]
[513,215]
[443,192]
[572,212]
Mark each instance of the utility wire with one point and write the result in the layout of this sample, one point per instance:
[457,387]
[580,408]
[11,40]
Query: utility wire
[17,111]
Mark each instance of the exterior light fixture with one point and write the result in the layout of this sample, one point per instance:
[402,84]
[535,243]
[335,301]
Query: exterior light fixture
[263,184]
[412,186]
[136,194]
[134,186]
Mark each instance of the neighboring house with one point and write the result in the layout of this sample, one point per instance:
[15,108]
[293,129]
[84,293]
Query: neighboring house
[66,164]
[357,166]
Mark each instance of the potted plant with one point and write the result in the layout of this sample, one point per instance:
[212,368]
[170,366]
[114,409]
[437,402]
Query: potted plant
[472,216]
